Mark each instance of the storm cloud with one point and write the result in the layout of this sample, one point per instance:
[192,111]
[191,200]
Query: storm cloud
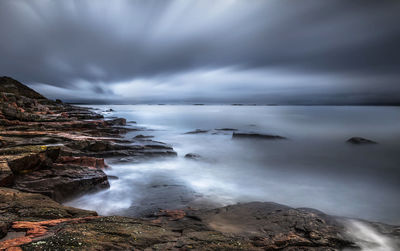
[271,51]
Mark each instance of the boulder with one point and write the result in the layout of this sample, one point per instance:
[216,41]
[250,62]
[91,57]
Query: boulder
[192,156]
[117,121]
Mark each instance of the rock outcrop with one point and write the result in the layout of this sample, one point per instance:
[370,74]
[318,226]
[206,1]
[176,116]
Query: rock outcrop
[9,85]
[43,224]
[56,149]
[248,226]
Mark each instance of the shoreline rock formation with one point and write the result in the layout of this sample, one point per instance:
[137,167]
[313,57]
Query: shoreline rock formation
[51,151]
[57,149]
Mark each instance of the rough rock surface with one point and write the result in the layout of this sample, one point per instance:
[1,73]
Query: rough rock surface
[248,226]
[47,225]
[57,149]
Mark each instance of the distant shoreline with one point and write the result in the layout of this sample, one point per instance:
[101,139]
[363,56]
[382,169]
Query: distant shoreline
[175,104]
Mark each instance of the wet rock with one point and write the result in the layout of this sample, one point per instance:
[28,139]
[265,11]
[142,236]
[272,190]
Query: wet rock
[239,135]
[249,226]
[360,141]
[140,137]
[109,110]
[62,181]
[274,227]
[29,122]
[193,156]
[197,131]
[117,121]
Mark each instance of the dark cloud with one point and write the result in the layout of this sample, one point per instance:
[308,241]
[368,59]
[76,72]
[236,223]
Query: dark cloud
[166,50]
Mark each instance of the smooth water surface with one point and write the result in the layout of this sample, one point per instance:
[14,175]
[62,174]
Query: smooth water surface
[314,167]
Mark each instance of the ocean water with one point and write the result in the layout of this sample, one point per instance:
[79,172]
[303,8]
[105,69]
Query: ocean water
[314,167]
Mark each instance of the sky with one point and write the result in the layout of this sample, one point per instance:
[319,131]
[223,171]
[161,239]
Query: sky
[200,51]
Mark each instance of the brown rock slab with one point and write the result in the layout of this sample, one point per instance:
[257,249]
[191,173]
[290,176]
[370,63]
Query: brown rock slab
[6,175]
[62,181]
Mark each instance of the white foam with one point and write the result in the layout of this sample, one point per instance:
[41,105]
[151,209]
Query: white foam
[368,238]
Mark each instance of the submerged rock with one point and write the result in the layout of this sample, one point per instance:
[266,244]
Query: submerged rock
[194,156]
[141,137]
[240,135]
[197,131]
[226,129]
[360,141]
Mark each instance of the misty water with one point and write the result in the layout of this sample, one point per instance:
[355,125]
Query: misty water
[314,167]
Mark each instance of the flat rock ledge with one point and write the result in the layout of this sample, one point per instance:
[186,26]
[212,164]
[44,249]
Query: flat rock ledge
[35,222]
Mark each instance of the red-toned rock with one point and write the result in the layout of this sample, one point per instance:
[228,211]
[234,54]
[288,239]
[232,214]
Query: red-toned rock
[36,230]
[172,214]
[28,158]
[91,162]
[62,181]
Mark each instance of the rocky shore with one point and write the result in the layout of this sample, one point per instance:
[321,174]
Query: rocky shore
[51,152]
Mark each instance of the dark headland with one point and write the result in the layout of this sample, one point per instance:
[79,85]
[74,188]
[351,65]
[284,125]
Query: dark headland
[51,151]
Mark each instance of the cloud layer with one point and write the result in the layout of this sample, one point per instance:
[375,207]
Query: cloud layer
[273,51]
